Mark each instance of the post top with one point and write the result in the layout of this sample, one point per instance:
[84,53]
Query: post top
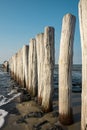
[69,15]
[39,34]
[25,46]
[32,40]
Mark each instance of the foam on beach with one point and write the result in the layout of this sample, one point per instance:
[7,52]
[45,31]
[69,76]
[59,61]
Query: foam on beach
[3,114]
[6,100]
[11,92]
[7,94]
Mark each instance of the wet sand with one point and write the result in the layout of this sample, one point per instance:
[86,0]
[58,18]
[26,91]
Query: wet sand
[18,115]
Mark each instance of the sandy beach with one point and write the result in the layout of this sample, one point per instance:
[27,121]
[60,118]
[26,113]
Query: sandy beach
[28,115]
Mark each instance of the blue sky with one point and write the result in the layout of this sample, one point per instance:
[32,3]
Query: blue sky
[21,20]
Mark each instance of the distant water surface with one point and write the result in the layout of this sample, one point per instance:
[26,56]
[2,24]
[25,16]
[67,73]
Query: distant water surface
[76,76]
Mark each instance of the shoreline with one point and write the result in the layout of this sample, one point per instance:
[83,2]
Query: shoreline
[18,115]
[27,114]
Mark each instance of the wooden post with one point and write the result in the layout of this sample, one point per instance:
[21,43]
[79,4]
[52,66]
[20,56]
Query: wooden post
[15,66]
[6,66]
[12,67]
[17,74]
[9,66]
[20,67]
[16,56]
[25,65]
[65,69]
[83,34]
[48,66]
[32,68]
[40,62]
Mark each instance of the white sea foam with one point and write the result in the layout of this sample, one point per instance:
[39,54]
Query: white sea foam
[5,100]
[12,92]
[3,114]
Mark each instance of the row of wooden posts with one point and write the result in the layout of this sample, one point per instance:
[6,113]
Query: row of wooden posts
[33,66]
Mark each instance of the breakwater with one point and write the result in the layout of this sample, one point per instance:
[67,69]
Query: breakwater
[33,66]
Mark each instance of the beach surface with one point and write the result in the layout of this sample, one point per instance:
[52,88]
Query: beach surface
[21,113]
[29,115]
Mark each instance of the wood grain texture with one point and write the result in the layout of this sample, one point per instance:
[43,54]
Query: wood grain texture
[25,50]
[48,68]
[32,68]
[65,69]
[83,34]
[40,62]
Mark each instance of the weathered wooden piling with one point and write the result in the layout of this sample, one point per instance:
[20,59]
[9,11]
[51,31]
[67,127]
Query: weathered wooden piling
[65,69]
[12,67]
[17,74]
[9,62]
[48,66]
[25,50]
[15,65]
[83,34]
[20,67]
[32,71]
[40,62]
[6,66]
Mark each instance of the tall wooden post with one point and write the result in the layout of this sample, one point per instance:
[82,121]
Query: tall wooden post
[6,66]
[40,62]
[83,34]
[65,69]
[25,65]
[15,66]
[17,74]
[48,66]
[12,67]
[32,68]
[20,67]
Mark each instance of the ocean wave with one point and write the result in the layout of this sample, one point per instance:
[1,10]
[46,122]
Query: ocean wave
[4,101]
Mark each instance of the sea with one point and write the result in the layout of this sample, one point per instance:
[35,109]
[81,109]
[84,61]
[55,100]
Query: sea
[8,92]
[8,87]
